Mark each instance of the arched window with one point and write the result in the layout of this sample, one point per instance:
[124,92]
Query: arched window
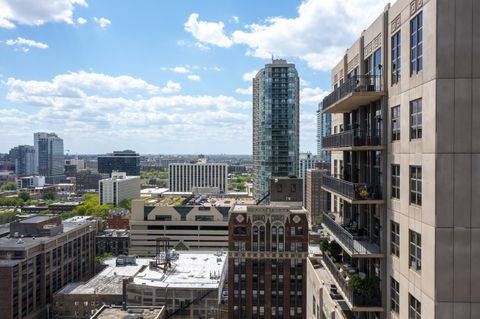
[281,238]
[255,238]
[278,236]
[262,238]
[274,238]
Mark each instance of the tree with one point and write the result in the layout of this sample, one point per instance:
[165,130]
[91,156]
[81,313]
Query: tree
[24,196]
[125,204]
[10,186]
[48,195]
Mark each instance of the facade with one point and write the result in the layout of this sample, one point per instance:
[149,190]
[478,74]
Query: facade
[275,124]
[40,256]
[122,161]
[268,247]
[113,241]
[118,219]
[324,128]
[405,159]
[23,157]
[117,188]
[49,157]
[307,161]
[30,182]
[87,180]
[191,177]
[317,199]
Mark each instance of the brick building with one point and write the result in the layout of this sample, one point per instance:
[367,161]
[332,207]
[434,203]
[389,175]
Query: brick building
[118,219]
[317,199]
[268,247]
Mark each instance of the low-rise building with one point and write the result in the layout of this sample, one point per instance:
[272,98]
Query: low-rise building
[30,182]
[118,188]
[115,312]
[114,241]
[118,219]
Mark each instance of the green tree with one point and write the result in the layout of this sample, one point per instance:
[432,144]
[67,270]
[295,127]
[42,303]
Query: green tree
[125,204]
[48,195]
[10,186]
[24,196]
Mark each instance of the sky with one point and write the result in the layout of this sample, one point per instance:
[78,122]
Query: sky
[162,77]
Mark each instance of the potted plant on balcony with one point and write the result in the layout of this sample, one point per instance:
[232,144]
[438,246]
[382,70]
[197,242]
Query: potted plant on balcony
[362,191]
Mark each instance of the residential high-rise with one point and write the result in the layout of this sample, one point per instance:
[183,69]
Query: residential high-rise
[307,161]
[49,157]
[275,124]
[117,188]
[24,158]
[405,166]
[324,127]
[122,161]
[197,177]
[268,247]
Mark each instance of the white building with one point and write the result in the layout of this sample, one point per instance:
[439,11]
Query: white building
[119,187]
[184,177]
[30,182]
[307,161]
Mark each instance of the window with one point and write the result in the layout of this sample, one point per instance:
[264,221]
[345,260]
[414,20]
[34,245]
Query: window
[416,44]
[396,123]
[395,239]
[416,119]
[395,295]
[415,258]
[416,185]
[396,54]
[396,181]
[415,308]
[204,218]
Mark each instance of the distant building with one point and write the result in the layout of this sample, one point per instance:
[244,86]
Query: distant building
[324,128]
[118,219]
[30,182]
[268,247]
[87,180]
[40,256]
[185,177]
[317,199]
[306,162]
[49,157]
[117,188]
[114,241]
[275,124]
[24,158]
[122,161]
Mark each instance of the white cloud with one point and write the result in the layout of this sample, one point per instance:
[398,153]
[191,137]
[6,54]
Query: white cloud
[207,32]
[246,91]
[248,76]
[35,12]
[202,46]
[102,22]
[24,44]
[235,19]
[312,96]
[193,77]
[180,69]
[81,20]
[171,87]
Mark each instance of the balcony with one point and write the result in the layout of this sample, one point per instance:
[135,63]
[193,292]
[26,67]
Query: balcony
[352,140]
[351,240]
[356,91]
[353,193]
[363,299]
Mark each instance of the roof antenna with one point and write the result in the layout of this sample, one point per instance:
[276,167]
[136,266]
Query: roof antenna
[272,57]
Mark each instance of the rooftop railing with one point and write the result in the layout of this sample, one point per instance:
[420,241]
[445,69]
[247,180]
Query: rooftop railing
[353,191]
[351,138]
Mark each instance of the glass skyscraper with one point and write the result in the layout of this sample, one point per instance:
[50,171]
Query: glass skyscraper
[49,157]
[324,128]
[275,124]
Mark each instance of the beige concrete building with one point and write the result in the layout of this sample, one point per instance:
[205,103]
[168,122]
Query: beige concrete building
[117,188]
[405,164]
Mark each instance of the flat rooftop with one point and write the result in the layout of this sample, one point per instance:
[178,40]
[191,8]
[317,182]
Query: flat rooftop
[118,312]
[198,270]
[202,200]
[35,219]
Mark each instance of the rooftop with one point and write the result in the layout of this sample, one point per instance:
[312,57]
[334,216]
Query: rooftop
[115,312]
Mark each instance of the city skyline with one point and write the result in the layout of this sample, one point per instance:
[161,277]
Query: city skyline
[182,92]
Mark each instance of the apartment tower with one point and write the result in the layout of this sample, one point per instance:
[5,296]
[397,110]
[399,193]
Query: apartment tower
[405,166]
[275,124]
[49,157]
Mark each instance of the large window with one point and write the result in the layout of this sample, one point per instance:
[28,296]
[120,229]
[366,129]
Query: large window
[416,119]
[396,181]
[416,44]
[396,55]
[416,185]
[395,296]
[415,250]
[396,123]
[415,308]
[395,239]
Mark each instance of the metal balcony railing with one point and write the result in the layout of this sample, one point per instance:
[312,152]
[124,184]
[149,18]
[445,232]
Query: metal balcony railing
[356,244]
[351,138]
[356,299]
[358,83]
[353,191]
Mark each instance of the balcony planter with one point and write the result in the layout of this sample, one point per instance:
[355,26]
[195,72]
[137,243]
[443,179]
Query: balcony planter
[362,191]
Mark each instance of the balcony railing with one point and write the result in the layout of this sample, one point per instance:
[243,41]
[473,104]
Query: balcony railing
[358,83]
[353,191]
[356,299]
[355,244]
[351,138]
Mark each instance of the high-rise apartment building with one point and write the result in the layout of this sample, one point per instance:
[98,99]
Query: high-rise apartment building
[49,157]
[197,177]
[307,161]
[23,157]
[122,161]
[117,188]
[268,247]
[324,127]
[404,165]
[275,124]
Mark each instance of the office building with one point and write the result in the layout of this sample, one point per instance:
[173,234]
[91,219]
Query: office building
[275,124]
[404,163]
[324,128]
[201,177]
[193,223]
[49,157]
[87,180]
[307,161]
[41,255]
[268,247]
[30,182]
[122,161]
[23,156]
[117,188]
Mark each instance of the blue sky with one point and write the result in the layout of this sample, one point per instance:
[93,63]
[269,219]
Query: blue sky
[161,76]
